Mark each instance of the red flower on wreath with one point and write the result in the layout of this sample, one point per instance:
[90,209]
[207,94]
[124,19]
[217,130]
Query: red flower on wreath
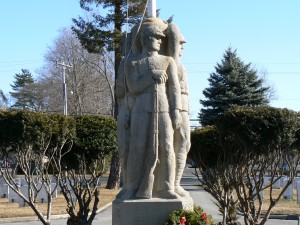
[204,216]
[182,221]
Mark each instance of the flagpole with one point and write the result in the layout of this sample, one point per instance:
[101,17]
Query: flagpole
[151,10]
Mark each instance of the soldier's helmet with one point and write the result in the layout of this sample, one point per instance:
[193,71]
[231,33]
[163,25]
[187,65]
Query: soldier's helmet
[152,31]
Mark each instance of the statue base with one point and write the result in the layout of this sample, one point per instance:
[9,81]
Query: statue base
[147,211]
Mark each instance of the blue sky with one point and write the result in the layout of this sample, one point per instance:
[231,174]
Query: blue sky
[264,33]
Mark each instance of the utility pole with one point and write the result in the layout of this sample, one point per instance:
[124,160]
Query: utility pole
[65,103]
[151,10]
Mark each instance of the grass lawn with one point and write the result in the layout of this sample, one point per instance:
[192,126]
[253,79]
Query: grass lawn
[59,205]
[285,206]
[8,209]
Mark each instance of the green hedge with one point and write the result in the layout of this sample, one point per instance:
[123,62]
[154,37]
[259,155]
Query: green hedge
[261,128]
[205,146]
[20,129]
[255,130]
[93,136]
[96,138]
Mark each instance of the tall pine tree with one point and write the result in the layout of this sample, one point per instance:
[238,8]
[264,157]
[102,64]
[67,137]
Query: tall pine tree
[21,90]
[3,100]
[232,83]
[104,32]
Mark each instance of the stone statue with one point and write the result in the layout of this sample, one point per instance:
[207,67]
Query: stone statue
[125,101]
[181,134]
[153,81]
[153,125]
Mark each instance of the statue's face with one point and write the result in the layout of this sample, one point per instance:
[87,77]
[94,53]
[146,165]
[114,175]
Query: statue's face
[153,43]
[180,46]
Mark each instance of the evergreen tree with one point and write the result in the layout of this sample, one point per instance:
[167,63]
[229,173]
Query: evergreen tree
[3,100]
[232,83]
[105,33]
[25,98]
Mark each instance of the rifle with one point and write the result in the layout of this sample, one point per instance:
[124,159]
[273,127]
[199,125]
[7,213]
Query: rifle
[146,187]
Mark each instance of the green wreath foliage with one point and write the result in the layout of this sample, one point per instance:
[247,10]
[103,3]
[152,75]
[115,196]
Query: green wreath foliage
[193,217]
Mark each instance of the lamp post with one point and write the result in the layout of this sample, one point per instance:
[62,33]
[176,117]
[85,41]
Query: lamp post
[151,10]
[65,103]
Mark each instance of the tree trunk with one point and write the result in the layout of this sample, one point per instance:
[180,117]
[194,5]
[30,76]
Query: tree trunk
[115,172]
[115,167]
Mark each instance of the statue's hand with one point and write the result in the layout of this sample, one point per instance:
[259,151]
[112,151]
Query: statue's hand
[160,76]
[176,119]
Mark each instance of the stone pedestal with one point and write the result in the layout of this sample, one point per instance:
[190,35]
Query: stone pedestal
[146,211]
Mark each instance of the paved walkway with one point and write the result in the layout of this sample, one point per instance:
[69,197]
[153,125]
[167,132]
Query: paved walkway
[189,182]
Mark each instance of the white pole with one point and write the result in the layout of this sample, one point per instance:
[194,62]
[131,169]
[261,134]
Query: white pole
[65,99]
[151,10]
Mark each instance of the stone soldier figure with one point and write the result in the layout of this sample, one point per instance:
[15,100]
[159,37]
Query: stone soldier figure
[182,142]
[125,101]
[153,81]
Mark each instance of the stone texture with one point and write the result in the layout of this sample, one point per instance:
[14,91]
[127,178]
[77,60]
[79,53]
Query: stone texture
[289,192]
[153,121]
[266,181]
[4,191]
[298,192]
[13,196]
[24,191]
[153,125]
[146,211]
[296,179]
[277,184]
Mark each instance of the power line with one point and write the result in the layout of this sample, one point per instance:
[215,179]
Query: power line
[20,64]
[187,63]
[269,63]
[10,71]
[21,61]
[286,99]
[268,73]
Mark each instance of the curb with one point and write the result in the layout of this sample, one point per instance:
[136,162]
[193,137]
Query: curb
[280,216]
[53,217]
[284,217]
